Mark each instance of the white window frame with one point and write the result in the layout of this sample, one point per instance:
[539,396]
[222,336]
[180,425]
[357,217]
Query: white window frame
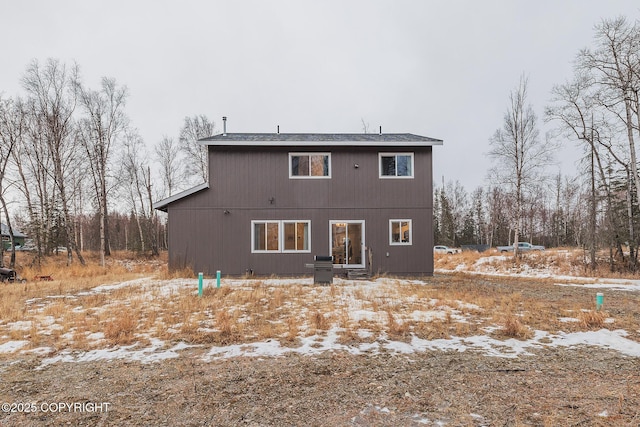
[400,243]
[381,155]
[281,246]
[253,237]
[296,251]
[362,245]
[291,176]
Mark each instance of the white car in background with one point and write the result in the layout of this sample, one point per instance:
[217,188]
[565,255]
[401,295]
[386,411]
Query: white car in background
[440,249]
[522,247]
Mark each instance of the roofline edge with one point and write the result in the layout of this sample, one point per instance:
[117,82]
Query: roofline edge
[162,205]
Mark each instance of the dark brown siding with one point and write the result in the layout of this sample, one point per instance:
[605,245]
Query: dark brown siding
[254,184]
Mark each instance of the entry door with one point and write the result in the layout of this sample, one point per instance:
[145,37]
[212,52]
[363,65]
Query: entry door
[347,243]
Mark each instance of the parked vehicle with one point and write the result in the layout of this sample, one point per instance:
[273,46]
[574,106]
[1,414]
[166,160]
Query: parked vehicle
[25,247]
[9,275]
[18,248]
[440,249]
[522,247]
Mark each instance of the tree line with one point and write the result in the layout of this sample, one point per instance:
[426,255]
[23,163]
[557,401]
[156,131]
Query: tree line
[74,163]
[86,180]
[598,208]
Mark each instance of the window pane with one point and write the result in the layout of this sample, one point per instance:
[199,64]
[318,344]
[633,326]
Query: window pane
[299,165]
[354,249]
[289,236]
[302,236]
[395,231]
[406,232]
[272,236]
[388,165]
[259,237]
[320,165]
[400,232]
[404,165]
[296,236]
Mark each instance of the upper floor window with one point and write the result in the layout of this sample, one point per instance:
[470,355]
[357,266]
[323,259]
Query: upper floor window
[396,165]
[309,165]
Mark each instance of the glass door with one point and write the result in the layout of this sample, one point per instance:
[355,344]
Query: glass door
[347,243]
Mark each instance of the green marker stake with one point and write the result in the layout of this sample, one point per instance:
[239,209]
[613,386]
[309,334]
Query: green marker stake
[200,277]
[218,278]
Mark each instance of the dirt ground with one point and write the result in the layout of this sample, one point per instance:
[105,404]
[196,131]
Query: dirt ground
[555,386]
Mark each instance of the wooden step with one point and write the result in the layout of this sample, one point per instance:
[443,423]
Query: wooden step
[360,273]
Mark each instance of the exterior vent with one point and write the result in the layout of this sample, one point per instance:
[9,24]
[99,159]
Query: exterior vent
[224,126]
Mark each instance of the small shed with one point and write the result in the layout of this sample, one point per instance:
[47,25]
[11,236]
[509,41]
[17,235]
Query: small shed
[18,236]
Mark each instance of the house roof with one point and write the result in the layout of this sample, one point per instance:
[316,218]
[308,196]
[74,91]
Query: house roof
[162,204]
[321,139]
[4,230]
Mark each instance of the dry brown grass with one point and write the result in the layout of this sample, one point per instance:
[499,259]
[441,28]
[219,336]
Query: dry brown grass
[258,311]
[120,329]
[12,306]
[560,261]
[293,329]
[592,319]
[319,321]
[165,274]
[228,327]
[397,328]
[434,330]
[451,261]
[513,328]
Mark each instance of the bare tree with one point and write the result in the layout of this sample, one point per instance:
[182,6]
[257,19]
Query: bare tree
[12,128]
[98,132]
[51,90]
[479,215]
[167,154]
[31,165]
[519,153]
[136,173]
[613,70]
[196,159]
[599,108]
[365,125]
[573,107]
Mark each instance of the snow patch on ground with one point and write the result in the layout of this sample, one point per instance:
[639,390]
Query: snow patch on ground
[314,345]
[156,352]
[12,346]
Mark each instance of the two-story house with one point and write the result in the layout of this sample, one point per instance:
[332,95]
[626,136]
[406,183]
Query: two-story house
[275,200]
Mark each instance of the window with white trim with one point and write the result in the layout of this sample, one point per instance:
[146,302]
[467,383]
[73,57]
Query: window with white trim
[278,236]
[396,165]
[309,165]
[265,236]
[400,232]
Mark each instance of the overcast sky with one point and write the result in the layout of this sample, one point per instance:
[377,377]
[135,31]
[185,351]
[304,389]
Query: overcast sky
[442,69]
